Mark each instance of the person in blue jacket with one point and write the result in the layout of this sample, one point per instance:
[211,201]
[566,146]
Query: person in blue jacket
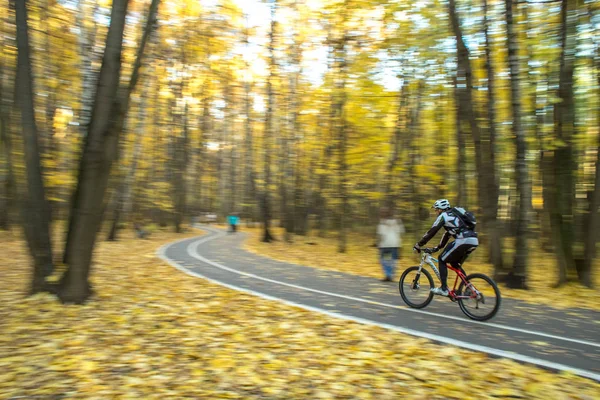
[233,221]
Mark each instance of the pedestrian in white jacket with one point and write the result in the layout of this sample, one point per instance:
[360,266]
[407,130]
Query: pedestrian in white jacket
[389,232]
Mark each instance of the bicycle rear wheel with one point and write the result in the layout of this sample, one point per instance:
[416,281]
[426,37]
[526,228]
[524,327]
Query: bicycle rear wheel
[483,300]
[414,288]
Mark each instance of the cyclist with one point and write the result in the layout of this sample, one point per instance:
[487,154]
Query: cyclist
[465,241]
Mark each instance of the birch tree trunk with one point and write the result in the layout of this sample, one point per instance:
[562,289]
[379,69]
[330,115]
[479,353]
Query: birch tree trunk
[87,55]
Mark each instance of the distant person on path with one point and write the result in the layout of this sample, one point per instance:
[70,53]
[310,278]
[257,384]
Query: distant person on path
[389,232]
[233,221]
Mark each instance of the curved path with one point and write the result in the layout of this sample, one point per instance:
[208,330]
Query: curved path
[564,340]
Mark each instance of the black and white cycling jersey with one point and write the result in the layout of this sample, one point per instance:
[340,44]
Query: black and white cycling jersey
[453,225]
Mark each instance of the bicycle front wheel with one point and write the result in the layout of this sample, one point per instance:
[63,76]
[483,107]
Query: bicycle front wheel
[415,287]
[480,298]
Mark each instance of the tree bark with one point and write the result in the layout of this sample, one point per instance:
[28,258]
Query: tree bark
[466,103]
[517,278]
[593,224]
[87,40]
[123,195]
[7,179]
[284,163]
[266,198]
[94,168]
[564,165]
[494,231]
[233,154]
[396,146]
[36,213]
[102,149]
[182,161]
[593,219]
[341,128]
[461,160]
[250,178]
[7,176]
[205,128]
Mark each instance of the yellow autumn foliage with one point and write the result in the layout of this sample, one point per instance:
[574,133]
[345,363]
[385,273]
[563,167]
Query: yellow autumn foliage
[152,332]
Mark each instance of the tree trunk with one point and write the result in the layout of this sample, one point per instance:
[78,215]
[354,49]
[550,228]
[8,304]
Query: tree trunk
[284,162]
[461,160]
[233,165]
[265,198]
[466,104]
[341,128]
[564,164]
[396,147]
[7,178]
[593,224]
[492,225]
[98,154]
[36,213]
[179,161]
[204,124]
[517,278]
[593,219]
[180,194]
[250,181]
[123,195]
[414,134]
[87,40]
[103,148]
[321,200]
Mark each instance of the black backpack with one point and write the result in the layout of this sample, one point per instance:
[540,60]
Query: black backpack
[467,217]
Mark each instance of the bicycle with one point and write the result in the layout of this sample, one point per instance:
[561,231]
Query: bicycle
[478,295]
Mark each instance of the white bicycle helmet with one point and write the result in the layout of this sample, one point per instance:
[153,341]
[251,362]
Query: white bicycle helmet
[441,204]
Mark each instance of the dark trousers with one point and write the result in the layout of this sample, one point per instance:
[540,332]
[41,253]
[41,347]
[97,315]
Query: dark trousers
[455,254]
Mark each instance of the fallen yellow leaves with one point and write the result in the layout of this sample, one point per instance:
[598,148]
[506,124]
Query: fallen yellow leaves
[361,259]
[153,332]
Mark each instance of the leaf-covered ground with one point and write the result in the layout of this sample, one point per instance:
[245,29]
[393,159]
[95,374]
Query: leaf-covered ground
[152,332]
[361,259]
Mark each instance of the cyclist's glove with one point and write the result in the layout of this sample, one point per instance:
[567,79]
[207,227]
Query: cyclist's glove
[417,248]
[435,249]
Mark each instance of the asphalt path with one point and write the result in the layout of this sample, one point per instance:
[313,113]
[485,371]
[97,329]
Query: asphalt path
[562,340]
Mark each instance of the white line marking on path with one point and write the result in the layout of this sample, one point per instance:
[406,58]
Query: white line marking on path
[441,339]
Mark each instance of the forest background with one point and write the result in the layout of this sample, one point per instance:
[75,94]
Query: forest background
[308,115]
